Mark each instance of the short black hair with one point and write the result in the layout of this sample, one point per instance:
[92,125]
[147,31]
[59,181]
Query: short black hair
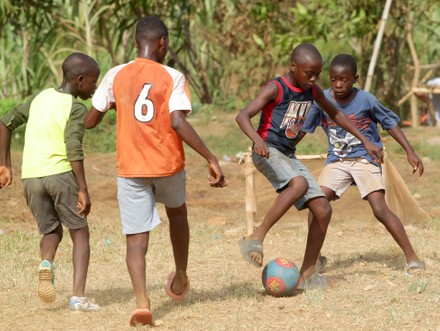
[78,64]
[303,51]
[150,28]
[345,60]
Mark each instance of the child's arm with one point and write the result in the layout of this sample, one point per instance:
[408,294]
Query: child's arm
[268,94]
[339,118]
[84,203]
[73,137]
[93,117]
[9,122]
[412,157]
[192,139]
[300,136]
[5,156]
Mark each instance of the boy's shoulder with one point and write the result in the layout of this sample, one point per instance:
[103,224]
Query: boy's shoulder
[52,94]
[364,95]
[174,73]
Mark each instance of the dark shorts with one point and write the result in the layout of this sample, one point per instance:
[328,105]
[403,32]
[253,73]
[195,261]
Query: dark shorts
[53,201]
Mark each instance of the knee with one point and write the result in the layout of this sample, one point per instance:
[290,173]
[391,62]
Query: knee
[322,210]
[326,211]
[58,232]
[299,184]
[177,213]
[137,242]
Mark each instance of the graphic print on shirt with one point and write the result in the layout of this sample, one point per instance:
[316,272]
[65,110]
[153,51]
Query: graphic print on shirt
[294,117]
[342,145]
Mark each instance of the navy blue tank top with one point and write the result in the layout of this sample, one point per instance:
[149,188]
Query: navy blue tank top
[282,120]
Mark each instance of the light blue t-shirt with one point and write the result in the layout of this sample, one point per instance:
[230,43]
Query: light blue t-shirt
[365,111]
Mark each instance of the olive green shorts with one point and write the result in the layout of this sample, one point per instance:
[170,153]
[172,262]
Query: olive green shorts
[53,201]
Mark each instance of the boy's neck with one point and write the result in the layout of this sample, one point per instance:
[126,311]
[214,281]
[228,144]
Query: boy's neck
[68,88]
[149,52]
[345,100]
[289,78]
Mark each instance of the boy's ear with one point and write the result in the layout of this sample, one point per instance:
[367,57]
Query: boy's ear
[292,66]
[162,42]
[80,80]
[356,79]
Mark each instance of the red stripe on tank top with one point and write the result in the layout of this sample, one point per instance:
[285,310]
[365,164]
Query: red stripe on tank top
[293,88]
[267,112]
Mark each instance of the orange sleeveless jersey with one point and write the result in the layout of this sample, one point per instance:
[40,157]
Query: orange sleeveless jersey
[146,93]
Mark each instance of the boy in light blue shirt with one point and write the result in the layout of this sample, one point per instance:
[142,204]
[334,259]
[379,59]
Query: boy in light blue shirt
[348,162]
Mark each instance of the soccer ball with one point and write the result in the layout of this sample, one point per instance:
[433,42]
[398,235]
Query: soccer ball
[280,277]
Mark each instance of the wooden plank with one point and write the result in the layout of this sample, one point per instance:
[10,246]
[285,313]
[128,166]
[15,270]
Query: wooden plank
[426,89]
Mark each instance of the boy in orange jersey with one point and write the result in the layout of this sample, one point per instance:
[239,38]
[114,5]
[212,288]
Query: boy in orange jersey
[152,101]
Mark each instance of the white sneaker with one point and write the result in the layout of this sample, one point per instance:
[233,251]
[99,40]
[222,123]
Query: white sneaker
[82,304]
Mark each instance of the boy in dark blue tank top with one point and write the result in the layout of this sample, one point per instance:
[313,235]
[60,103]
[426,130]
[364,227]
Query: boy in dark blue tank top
[284,103]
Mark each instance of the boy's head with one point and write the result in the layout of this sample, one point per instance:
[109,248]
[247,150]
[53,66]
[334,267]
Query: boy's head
[152,37]
[80,74]
[343,75]
[305,65]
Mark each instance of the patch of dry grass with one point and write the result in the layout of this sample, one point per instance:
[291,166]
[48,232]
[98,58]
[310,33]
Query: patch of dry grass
[369,290]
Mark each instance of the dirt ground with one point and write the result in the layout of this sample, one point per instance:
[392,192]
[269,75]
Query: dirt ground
[368,287]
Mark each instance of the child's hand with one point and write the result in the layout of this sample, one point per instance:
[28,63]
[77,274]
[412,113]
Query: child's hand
[216,177]
[374,151]
[415,162]
[83,204]
[5,176]
[260,148]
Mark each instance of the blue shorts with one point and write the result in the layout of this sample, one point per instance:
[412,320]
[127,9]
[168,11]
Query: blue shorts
[280,169]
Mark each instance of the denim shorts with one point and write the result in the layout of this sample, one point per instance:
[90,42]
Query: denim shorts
[280,169]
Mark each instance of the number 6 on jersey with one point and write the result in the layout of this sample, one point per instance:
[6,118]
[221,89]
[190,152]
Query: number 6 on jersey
[141,114]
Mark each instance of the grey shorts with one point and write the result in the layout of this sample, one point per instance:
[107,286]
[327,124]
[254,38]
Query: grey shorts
[138,196]
[339,175]
[280,169]
[53,201]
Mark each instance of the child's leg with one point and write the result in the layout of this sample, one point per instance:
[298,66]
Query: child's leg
[49,243]
[321,211]
[294,190]
[391,222]
[179,234]
[329,194]
[80,259]
[137,245]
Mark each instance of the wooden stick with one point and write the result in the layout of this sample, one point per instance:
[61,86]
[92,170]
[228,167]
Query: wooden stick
[377,43]
[311,157]
[250,199]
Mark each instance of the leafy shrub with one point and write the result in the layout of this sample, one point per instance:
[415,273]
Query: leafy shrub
[6,105]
